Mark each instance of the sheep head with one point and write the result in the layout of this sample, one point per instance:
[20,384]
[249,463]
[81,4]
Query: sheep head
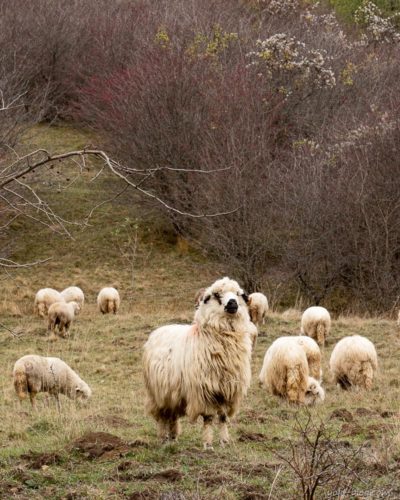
[314,394]
[223,302]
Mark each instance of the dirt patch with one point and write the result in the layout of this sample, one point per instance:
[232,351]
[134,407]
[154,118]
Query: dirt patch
[38,460]
[365,412]
[351,429]
[251,436]
[261,469]
[210,480]
[100,444]
[250,492]
[342,414]
[389,414]
[142,495]
[168,475]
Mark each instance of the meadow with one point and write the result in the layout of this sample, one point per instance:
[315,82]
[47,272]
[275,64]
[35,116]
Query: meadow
[108,448]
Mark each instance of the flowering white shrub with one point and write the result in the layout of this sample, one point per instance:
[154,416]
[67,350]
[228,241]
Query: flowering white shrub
[378,28]
[282,54]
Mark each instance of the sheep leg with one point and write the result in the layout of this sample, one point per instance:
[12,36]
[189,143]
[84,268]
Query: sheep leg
[174,428]
[207,432]
[223,433]
[163,430]
[57,402]
[32,396]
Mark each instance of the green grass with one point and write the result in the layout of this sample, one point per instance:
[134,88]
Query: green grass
[157,282]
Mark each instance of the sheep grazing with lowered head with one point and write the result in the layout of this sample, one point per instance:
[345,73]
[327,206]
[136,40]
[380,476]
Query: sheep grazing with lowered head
[73,294]
[285,373]
[108,300]
[61,315]
[312,352]
[354,362]
[33,374]
[258,308]
[201,369]
[43,300]
[316,323]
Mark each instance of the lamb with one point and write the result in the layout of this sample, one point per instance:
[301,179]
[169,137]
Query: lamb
[33,374]
[258,308]
[61,314]
[201,369]
[316,323]
[43,300]
[285,373]
[108,300]
[354,362]
[73,294]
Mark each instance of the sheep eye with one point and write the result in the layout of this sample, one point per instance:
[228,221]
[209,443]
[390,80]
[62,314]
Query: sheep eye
[217,295]
[206,299]
[245,297]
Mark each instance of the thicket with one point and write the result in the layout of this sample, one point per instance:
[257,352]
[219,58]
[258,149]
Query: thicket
[294,119]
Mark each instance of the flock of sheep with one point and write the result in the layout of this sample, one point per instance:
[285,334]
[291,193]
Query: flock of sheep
[204,368]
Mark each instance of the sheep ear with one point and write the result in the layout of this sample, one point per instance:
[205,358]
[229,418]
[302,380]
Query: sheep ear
[246,298]
[206,299]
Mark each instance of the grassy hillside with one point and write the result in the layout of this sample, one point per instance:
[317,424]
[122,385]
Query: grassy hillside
[44,453]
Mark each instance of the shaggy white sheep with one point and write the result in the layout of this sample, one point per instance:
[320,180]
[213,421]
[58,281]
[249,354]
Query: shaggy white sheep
[285,373]
[108,300]
[61,314]
[43,300]
[73,294]
[354,362]
[203,368]
[258,307]
[316,323]
[312,352]
[33,374]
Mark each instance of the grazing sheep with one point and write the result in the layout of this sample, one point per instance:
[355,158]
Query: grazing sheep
[33,374]
[312,352]
[285,373]
[354,362]
[203,368]
[43,300]
[61,314]
[108,300]
[73,294]
[316,323]
[258,308]
[198,297]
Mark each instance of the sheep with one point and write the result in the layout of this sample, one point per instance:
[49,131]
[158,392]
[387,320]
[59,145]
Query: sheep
[258,308]
[61,314]
[201,369]
[354,362]
[316,323]
[108,300]
[312,352]
[285,373]
[33,374]
[43,300]
[73,294]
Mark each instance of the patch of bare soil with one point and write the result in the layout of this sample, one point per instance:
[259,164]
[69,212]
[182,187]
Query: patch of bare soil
[168,475]
[252,492]
[100,444]
[251,436]
[261,469]
[365,412]
[142,495]
[342,414]
[38,460]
